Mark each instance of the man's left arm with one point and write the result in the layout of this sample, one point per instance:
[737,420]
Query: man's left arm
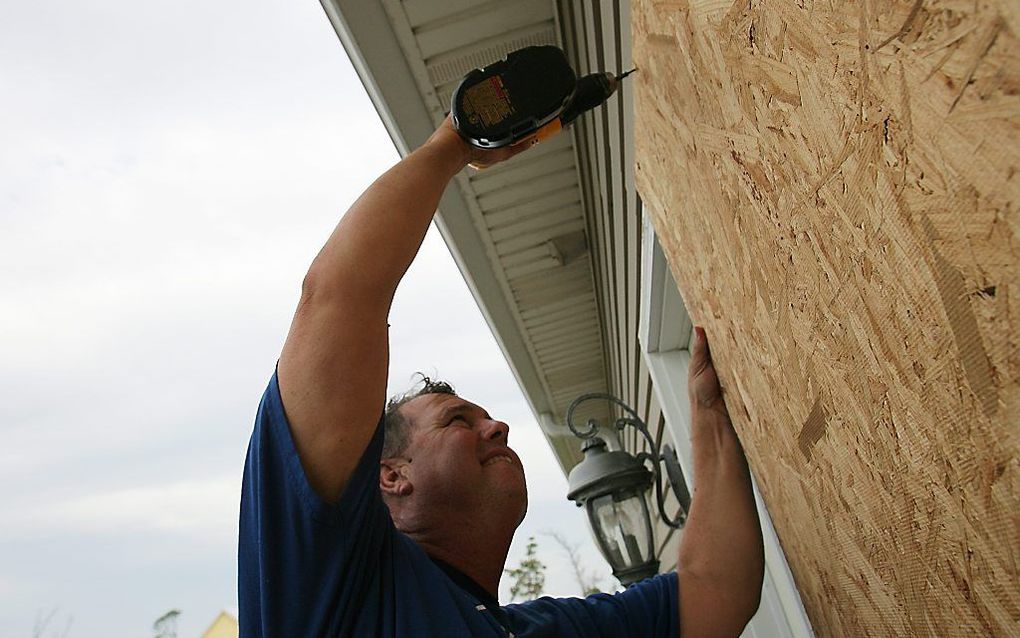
[722,560]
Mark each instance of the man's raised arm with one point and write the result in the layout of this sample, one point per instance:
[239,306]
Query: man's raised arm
[332,372]
[722,559]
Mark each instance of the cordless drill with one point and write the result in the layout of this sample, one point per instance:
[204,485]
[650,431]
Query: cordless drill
[531,94]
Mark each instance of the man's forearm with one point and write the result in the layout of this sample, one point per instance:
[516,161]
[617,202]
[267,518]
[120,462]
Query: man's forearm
[722,543]
[333,368]
[375,242]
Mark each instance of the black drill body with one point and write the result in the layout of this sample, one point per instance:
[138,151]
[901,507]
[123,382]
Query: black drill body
[532,93]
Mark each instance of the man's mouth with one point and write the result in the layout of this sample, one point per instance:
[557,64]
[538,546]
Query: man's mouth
[499,458]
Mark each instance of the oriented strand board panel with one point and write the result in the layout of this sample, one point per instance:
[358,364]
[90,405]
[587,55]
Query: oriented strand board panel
[835,183]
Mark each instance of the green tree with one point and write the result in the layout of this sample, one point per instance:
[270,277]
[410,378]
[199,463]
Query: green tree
[588,581]
[45,624]
[529,575]
[166,625]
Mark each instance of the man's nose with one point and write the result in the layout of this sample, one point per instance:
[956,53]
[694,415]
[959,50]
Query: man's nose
[495,430]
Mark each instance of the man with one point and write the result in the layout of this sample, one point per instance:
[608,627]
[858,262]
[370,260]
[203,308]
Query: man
[346,531]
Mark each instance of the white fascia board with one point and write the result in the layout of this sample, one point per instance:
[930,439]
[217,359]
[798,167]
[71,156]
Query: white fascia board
[367,35]
[664,323]
[652,281]
[554,434]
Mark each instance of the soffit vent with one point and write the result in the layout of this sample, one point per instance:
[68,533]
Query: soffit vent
[446,70]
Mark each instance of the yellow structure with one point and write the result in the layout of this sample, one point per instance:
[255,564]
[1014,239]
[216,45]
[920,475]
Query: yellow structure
[225,626]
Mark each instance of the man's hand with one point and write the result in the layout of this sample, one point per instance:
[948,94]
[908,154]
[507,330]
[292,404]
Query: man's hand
[476,157]
[702,381]
[721,564]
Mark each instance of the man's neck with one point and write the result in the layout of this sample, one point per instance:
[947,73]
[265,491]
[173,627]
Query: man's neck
[477,551]
[467,584]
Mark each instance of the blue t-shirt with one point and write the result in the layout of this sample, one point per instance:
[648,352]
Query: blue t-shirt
[310,568]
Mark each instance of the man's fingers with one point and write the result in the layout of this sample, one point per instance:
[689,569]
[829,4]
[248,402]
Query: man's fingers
[701,358]
[703,382]
[485,159]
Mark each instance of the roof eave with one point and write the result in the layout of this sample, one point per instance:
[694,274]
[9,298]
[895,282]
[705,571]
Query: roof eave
[408,122]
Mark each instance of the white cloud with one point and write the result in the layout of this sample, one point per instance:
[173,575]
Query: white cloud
[167,174]
[197,511]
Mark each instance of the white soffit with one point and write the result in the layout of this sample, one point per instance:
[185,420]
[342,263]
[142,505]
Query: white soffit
[517,231]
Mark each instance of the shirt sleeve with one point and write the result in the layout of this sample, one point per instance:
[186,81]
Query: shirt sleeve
[303,562]
[648,609]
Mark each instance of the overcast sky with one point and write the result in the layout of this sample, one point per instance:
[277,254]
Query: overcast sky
[167,172]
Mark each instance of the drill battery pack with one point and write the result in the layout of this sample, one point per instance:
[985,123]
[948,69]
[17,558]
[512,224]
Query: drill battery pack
[519,97]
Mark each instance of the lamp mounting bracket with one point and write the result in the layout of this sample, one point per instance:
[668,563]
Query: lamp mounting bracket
[653,456]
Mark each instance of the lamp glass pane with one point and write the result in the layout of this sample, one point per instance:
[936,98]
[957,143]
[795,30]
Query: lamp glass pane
[622,527]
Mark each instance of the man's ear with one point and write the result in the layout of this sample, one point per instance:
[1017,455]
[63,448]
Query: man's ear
[393,479]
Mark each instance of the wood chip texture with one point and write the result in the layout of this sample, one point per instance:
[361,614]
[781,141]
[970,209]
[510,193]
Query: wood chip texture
[835,184]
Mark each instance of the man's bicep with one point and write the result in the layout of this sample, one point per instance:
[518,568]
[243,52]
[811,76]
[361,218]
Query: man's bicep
[332,376]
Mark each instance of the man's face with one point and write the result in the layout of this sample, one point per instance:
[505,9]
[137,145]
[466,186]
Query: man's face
[459,457]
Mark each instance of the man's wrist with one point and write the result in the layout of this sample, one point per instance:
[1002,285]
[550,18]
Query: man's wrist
[454,150]
[711,430]
[715,415]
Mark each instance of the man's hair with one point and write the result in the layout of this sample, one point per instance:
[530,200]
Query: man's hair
[398,427]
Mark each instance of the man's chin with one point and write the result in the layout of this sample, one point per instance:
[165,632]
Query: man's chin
[524,511]
[515,498]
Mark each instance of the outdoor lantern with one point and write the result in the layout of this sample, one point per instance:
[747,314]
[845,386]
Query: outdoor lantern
[612,484]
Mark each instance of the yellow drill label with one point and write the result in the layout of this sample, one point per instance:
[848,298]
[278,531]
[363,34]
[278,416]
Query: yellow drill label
[487,102]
